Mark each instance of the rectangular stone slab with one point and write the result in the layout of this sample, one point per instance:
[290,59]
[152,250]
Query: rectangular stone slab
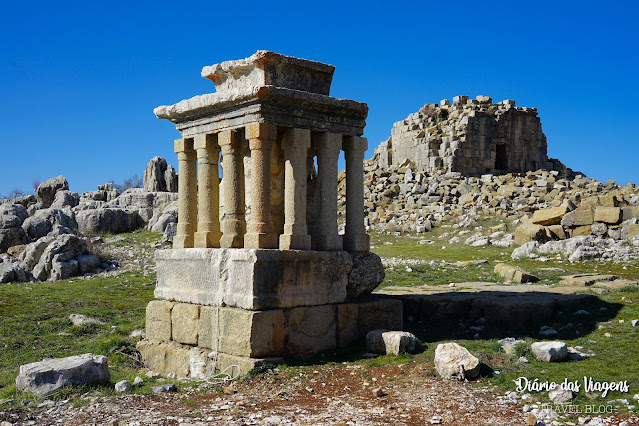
[253,279]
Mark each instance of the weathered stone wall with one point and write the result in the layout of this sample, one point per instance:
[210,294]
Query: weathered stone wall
[471,136]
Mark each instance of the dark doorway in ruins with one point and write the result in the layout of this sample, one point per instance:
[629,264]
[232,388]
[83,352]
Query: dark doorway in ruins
[501,157]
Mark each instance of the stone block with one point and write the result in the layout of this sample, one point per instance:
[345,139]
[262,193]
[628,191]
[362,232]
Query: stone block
[184,323]
[153,354]
[207,328]
[379,314]
[311,329]
[630,212]
[254,279]
[253,333]
[551,216]
[528,231]
[632,231]
[245,364]
[610,215]
[557,232]
[177,360]
[347,324]
[581,231]
[158,320]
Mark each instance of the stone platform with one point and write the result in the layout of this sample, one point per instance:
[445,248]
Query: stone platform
[222,307]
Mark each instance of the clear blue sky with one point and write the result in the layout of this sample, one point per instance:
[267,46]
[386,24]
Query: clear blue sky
[79,80]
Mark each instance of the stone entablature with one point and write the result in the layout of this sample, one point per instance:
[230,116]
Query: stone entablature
[471,136]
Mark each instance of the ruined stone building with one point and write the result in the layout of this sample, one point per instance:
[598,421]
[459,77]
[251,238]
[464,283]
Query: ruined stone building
[471,136]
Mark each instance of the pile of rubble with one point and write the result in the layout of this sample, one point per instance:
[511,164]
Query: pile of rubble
[542,205]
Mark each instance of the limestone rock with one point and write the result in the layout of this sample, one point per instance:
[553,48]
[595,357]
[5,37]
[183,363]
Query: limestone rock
[12,215]
[45,193]
[550,216]
[107,220]
[528,231]
[55,257]
[579,217]
[11,272]
[47,376]
[123,386]
[560,396]
[64,199]
[454,362]
[79,320]
[385,342]
[610,215]
[10,237]
[45,220]
[550,351]
[514,274]
[154,175]
[367,274]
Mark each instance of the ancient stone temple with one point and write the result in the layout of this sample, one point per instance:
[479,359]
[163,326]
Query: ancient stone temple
[471,136]
[234,291]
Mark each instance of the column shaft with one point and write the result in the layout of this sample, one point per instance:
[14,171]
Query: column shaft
[233,224]
[295,144]
[187,193]
[208,225]
[261,138]
[355,237]
[325,237]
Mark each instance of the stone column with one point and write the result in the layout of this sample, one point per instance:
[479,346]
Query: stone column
[208,219]
[187,192]
[355,237]
[261,137]
[234,224]
[295,144]
[327,147]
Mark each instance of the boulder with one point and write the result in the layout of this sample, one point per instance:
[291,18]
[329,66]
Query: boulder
[123,386]
[11,272]
[560,396]
[528,231]
[551,216]
[107,220]
[514,274]
[48,376]
[57,260]
[610,215]
[169,232]
[385,342]
[88,263]
[454,362]
[12,215]
[45,193]
[171,179]
[550,351]
[579,217]
[64,199]
[44,221]
[10,237]
[367,274]
[154,175]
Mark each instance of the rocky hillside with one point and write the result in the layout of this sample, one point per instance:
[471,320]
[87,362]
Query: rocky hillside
[47,235]
[541,206]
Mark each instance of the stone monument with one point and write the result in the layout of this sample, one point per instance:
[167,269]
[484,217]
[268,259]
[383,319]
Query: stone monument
[234,291]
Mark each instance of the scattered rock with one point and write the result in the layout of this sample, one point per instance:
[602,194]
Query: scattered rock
[79,320]
[514,274]
[560,396]
[164,388]
[138,380]
[47,376]
[550,351]
[123,386]
[385,342]
[379,392]
[454,362]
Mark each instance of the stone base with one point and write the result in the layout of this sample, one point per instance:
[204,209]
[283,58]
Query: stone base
[260,279]
[191,340]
